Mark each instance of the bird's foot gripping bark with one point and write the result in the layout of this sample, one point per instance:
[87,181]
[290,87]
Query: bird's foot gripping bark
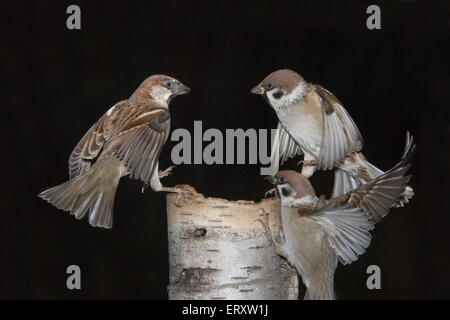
[278,246]
[165,173]
[270,192]
[182,194]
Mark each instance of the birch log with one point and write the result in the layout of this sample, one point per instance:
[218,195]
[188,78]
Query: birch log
[218,250]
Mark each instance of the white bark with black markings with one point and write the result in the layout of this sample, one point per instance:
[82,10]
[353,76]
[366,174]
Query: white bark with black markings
[218,250]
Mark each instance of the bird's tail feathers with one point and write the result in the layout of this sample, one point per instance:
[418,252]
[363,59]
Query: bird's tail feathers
[93,192]
[345,181]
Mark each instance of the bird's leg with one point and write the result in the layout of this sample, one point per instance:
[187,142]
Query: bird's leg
[165,173]
[309,165]
[181,193]
[161,174]
[156,185]
[270,192]
[278,246]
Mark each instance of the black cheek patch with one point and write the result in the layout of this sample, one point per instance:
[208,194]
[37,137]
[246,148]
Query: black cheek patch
[286,192]
[277,95]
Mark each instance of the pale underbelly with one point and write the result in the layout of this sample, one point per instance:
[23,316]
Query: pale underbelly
[305,130]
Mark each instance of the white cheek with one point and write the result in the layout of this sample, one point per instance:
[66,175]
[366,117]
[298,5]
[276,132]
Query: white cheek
[287,99]
[280,102]
[160,94]
[277,103]
[272,100]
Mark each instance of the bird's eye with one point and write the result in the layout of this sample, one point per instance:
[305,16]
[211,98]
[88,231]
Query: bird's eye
[269,86]
[278,94]
[168,84]
[281,180]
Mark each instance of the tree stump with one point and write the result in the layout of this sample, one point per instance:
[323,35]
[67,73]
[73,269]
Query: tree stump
[219,250]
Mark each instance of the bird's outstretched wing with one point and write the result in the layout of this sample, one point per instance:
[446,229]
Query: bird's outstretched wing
[377,196]
[340,135]
[286,146]
[348,219]
[89,147]
[347,230]
[140,140]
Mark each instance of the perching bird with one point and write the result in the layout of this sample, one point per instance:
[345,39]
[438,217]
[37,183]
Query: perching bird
[313,121]
[126,140]
[318,233]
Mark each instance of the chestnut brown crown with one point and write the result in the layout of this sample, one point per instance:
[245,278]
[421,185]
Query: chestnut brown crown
[298,182]
[158,87]
[285,79]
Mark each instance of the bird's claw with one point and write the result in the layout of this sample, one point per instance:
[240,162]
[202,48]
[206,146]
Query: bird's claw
[308,163]
[181,197]
[270,192]
[265,223]
[266,217]
[166,172]
[278,246]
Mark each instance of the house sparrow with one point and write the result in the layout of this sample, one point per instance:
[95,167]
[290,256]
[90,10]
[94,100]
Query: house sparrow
[313,121]
[126,140]
[319,232]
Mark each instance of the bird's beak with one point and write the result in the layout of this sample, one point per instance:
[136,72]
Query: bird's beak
[258,90]
[271,179]
[181,89]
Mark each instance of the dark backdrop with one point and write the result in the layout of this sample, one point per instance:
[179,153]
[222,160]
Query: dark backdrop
[56,83]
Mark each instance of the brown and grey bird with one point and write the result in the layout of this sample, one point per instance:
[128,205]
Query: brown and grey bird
[126,140]
[313,121]
[318,233]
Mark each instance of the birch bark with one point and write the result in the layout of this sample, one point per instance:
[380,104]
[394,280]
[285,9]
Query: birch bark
[218,250]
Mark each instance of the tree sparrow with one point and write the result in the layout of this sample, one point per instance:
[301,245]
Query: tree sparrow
[313,121]
[319,232]
[126,140]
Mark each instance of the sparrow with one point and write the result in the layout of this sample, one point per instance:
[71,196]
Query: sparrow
[314,122]
[126,140]
[318,232]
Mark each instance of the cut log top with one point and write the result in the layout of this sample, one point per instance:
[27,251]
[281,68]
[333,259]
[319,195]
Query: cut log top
[219,250]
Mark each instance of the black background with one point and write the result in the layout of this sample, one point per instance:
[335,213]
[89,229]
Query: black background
[56,83]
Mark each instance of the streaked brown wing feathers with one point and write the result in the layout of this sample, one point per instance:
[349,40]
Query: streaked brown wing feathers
[379,195]
[328,99]
[140,143]
[348,219]
[89,147]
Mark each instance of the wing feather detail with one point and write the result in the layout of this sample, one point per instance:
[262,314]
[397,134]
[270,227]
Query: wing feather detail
[140,142]
[341,136]
[91,144]
[348,219]
[286,146]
